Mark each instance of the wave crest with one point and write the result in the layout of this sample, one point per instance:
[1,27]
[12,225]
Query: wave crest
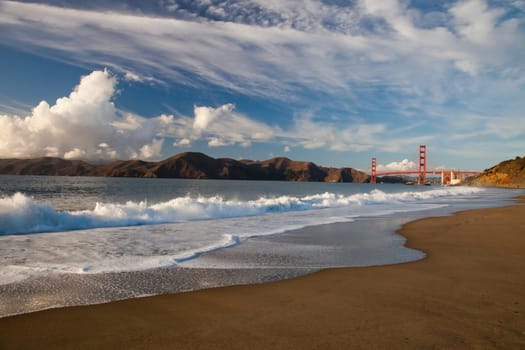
[20,214]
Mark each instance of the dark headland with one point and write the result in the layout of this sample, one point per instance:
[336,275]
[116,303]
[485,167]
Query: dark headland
[189,165]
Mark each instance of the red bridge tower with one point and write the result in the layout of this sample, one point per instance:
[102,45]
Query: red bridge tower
[422,167]
[373,171]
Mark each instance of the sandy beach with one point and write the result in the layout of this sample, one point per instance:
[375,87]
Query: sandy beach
[469,293]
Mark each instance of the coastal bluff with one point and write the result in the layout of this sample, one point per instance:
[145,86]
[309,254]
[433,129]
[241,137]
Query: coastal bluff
[188,165]
[509,173]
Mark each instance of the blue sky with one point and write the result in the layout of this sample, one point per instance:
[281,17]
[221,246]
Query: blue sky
[334,82]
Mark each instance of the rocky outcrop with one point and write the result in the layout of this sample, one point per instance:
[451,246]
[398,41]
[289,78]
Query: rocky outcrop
[509,173]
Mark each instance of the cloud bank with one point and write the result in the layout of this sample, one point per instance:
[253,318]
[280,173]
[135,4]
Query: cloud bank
[86,124]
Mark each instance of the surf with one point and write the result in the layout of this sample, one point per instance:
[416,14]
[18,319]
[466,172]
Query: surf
[22,214]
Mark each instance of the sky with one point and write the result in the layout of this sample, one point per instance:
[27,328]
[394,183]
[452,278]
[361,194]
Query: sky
[330,81]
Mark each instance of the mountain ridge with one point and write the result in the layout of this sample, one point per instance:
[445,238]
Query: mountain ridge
[188,165]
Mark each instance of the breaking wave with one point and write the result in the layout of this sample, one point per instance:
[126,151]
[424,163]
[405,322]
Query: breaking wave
[21,214]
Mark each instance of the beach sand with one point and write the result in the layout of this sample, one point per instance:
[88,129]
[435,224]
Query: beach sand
[469,293]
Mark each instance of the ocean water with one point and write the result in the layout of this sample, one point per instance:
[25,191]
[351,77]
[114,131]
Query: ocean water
[82,240]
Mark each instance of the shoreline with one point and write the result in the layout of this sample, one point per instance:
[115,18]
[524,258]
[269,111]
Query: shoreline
[466,293]
[232,266]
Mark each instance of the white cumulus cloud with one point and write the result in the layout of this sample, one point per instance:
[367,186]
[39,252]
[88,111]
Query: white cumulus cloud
[85,124]
[182,143]
[404,165]
[223,126]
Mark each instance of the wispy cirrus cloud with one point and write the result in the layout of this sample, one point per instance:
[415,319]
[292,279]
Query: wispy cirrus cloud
[316,46]
[384,64]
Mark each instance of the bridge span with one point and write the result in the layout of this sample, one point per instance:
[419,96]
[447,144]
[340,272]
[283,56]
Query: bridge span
[448,177]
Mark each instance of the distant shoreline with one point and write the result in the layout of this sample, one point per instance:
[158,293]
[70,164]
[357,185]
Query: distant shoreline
[189,165]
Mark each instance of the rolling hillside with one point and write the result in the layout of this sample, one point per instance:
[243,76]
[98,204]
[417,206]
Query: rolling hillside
[189,165]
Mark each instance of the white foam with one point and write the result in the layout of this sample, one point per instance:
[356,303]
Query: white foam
[20,214]
[107,239]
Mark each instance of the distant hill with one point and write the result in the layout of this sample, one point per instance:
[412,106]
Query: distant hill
[44,166]
[509,173]
[189,165]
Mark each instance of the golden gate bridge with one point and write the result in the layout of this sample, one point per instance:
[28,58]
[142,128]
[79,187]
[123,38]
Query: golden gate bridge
[448,177]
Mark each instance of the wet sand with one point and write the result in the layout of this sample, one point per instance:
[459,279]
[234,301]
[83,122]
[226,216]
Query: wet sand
[469,293]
